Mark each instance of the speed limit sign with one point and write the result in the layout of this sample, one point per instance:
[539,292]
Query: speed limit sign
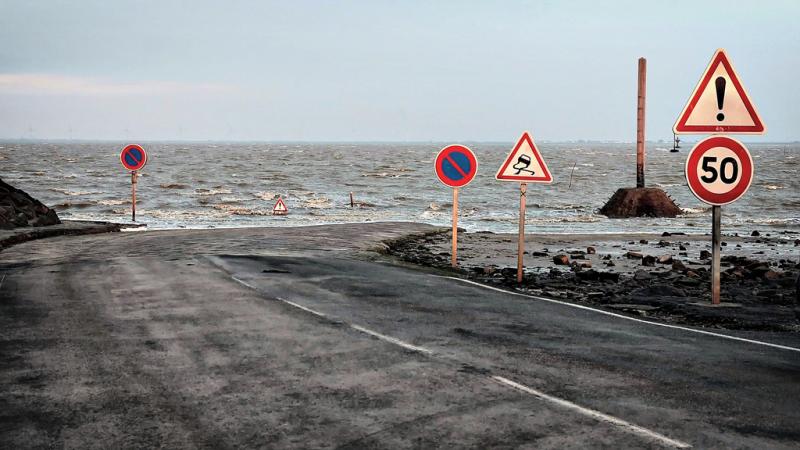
[719,170]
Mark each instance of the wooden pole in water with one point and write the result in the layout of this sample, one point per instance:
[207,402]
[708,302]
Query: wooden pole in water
[352,203]
[521,243]
[454,261]
[716,219]
[640,123]
[133,195]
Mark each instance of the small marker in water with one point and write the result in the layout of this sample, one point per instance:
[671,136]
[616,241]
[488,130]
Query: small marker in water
[719,83]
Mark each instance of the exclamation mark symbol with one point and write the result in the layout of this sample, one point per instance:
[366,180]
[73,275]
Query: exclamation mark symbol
[720,85]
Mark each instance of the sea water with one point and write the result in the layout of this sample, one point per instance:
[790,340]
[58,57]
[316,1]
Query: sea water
[201,185]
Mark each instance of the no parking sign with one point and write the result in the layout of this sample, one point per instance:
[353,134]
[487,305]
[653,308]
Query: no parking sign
[455,167]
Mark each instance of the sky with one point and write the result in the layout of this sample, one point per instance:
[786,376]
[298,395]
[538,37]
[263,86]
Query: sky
[379,70]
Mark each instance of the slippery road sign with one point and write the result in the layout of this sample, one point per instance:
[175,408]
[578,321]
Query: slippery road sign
[525,163]
[719,103]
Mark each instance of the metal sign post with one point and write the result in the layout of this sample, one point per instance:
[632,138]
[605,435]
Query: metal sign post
[133,157]
[454,250]
[521,243]
[716,219]
[134,175]
[524,164]
[719,169]
[455,166]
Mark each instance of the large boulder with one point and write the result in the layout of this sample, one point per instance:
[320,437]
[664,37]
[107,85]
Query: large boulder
[18,209]
[640,202]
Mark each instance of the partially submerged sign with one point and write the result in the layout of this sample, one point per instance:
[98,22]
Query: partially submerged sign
[524,163]
[719,170]
[280,208]
[719,103]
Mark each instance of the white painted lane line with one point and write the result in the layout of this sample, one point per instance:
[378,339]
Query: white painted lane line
[608,313]
[316,313]
[627,426]
[383,337]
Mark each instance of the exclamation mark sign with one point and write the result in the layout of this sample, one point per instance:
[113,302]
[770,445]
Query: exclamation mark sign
[720,85]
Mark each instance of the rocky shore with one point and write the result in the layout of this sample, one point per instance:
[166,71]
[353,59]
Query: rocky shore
[663,277]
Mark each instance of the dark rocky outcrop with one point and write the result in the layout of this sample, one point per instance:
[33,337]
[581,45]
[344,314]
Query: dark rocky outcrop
[18,209]
[640,202]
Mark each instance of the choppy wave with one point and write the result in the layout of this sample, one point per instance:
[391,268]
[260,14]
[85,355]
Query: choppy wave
[390,182]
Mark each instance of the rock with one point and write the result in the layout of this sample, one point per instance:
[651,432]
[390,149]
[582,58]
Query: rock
[797,242]
[658,290]
[641,275]
[591,250]
[561,260]
[609,276]
[666,234]
[755,233]
[587,275]
[705,254]
[663,244]
[665,259]
[692,274]
[682,248]
[633,255]
[488,270]
[606,257]
[539,254]
[771,275]
[18,209]
[649,260]
[643,241]
[640,202]
[610,264]
[678,265]
[586,264]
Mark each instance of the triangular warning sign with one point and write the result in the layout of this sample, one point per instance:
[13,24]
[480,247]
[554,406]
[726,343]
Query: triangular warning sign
[719,103]
[280,208]
[524,163]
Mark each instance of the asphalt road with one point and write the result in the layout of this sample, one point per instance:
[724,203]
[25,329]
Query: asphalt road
[292,338]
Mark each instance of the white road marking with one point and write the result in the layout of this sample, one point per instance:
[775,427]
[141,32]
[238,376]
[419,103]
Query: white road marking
[627,426]
[316,313]
[383,337]
[608,313]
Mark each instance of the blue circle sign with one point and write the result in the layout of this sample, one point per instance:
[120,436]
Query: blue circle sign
[456,165]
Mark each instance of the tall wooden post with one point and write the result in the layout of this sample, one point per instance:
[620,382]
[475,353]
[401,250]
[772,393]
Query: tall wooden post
[454,261]
[521,242]
[640,123]
[133,195]
[716,222]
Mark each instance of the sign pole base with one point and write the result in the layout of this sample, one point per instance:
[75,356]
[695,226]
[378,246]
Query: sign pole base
[454,261]
[521,242]
[716,213]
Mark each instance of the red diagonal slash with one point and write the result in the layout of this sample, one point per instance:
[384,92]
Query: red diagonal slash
[458,168]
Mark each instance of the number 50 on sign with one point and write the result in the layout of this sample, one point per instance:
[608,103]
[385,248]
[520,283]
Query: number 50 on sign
[719,170]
